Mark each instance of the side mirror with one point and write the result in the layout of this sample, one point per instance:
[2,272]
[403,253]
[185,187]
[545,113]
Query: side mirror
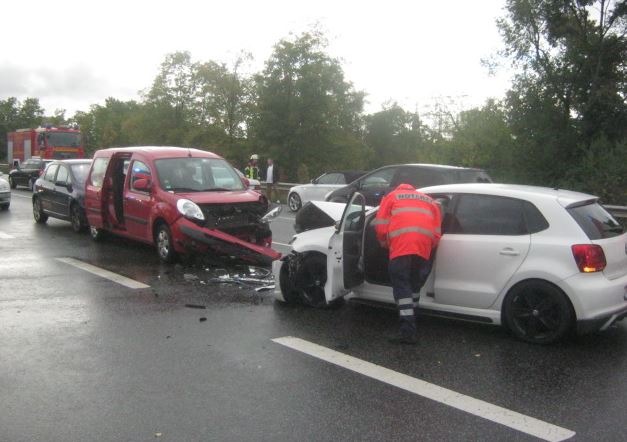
[69,187]
[142,184]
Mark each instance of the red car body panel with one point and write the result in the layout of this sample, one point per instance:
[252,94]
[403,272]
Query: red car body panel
[133,214]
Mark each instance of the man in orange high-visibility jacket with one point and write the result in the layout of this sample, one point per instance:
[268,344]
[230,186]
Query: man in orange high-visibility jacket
[408,224]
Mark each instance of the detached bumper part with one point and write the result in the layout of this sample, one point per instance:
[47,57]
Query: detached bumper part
[599,324]
[227,244]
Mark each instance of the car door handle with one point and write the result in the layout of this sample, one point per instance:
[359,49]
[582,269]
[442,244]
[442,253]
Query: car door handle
[508,251]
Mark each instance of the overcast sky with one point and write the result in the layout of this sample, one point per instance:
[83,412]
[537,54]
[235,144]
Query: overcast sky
[74,53]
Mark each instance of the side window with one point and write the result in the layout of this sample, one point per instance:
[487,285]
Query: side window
[62,176]
[536,222]
[488,215]
[422,177]
[98,170]
[445,203]
[381,178]
[329,178]
[139,171]
[51,171]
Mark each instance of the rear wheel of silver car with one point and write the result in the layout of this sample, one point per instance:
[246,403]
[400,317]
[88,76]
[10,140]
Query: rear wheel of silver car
[96,233]
[77,218]
[538,312]
[38,213]
[165,245]
[294,202]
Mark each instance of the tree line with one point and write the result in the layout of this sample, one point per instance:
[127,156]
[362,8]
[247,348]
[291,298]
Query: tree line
[562,123]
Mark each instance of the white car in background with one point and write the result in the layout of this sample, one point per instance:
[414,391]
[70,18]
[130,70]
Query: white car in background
[539,261]
[5,192]
[319,187]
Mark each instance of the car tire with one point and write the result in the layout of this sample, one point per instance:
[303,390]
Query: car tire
[77,218]
[5,206]
[286,282]
[310,279]
[164,244]
[97,234]
[538,312]
[38,212]
[12,182]
[294,202]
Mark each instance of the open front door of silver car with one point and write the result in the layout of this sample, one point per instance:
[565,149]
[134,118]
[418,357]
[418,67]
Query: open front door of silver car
[345,263]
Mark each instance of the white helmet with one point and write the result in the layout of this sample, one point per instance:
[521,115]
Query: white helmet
[254,156]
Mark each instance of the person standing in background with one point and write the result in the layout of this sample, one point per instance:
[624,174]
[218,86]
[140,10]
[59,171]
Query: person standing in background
[272,177]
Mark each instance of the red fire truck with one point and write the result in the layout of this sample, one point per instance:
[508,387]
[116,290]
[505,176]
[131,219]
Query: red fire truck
[45,142]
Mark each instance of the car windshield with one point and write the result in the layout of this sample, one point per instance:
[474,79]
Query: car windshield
[595,221]
[197,175]
[71,139]
[80,172]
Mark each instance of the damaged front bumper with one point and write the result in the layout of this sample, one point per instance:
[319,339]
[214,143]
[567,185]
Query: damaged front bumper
[188,235]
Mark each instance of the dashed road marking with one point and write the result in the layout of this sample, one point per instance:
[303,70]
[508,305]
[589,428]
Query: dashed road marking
[20,196]
[280,244]
[123,280]
[6,236]
[477,407]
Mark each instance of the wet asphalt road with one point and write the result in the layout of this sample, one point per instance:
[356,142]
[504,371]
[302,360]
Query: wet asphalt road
[84,358]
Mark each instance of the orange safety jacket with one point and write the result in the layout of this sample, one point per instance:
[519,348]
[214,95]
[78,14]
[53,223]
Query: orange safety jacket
[409,222]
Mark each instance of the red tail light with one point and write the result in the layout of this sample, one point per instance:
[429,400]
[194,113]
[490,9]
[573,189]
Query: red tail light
[589,257]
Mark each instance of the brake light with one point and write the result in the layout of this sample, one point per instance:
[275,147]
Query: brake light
[589,257]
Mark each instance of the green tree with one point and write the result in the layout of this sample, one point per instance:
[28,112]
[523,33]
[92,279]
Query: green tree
[570,90]
[306,112]
[394,135]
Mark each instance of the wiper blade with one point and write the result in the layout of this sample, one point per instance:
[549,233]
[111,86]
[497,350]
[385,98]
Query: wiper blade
[182,189]
[216,189]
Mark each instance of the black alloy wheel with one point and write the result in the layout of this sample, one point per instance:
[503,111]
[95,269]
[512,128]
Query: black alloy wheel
[538,312]
[165,244]
[38,213]
[294,202]
[77,218]
[310,280]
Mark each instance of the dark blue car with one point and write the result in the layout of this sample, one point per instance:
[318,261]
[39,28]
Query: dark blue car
[60,193]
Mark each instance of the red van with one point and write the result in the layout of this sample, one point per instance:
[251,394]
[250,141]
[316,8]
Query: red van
[181,200]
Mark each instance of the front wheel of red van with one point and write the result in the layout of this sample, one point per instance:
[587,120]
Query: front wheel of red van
[165,245]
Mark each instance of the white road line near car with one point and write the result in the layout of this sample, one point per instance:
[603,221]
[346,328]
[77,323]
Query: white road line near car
[13,194]
[6,236]
[477,407]
[123,280]
[280,244]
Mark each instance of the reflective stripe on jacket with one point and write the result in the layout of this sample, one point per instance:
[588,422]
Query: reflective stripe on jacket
[409,222]
[251,172]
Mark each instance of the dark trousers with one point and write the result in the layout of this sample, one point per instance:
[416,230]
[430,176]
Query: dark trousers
[408,274]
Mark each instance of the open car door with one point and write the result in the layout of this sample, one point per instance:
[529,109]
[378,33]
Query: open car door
[345,263]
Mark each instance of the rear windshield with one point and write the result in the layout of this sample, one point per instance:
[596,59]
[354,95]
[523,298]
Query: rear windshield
[80,171]
[595,221]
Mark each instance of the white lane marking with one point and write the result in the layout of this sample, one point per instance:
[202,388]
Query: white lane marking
[477,407]
[6,236]
[123,280]
[21,196]
[280,244]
